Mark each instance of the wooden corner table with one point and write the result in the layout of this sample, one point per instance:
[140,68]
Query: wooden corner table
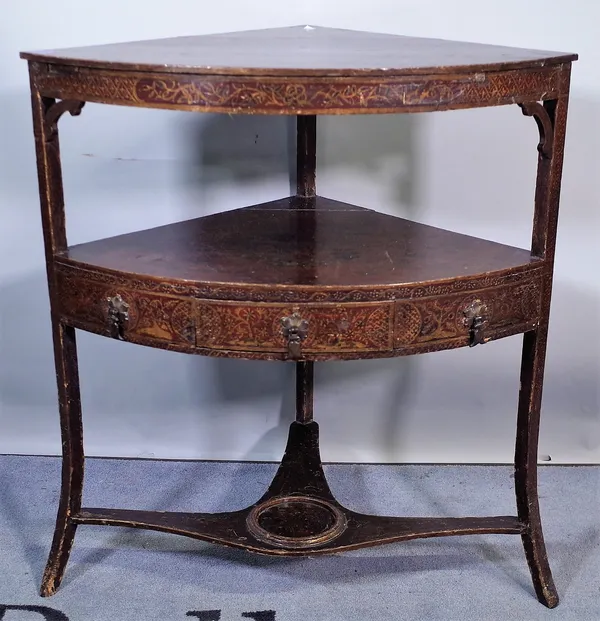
[303,278]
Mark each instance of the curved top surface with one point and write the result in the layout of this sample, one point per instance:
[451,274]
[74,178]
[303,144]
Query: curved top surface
[301,50]
[295,242]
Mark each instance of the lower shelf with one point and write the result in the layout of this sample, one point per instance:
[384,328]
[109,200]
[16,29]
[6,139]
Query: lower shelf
[359,530]
[298,515]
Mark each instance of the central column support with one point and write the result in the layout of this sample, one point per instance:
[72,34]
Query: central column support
[306,155]
[306,164]
[304,391]
[298,511]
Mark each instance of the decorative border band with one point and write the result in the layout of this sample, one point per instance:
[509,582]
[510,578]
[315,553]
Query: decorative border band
[274,293]
[272,95]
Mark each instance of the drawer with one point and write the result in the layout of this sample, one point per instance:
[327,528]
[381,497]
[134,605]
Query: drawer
[426,321]
[286,330]
[120,313]
[349,327]
[139,315]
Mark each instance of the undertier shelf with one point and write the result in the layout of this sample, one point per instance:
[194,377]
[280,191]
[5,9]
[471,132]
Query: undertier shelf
[298,514]
[300,279]
[299,242]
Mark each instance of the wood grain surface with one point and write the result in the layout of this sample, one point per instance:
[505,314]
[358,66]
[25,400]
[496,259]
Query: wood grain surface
[298,50]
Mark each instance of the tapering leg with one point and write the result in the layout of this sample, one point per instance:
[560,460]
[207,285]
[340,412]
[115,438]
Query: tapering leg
[46,114]
[528,422]
[72,465]
[551,117]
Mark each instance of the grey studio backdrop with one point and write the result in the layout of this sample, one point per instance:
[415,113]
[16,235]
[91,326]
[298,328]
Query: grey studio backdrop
[469,171]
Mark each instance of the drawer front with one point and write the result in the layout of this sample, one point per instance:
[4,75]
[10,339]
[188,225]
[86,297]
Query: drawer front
[286,331]
[426,321]
[122,312]
[82,300]
[327,328]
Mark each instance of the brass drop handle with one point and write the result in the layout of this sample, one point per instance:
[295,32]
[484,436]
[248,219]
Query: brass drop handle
[475,318]
[295,330]
[118,316]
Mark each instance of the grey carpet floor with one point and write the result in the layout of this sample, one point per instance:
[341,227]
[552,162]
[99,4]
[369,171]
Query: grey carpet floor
[119,574]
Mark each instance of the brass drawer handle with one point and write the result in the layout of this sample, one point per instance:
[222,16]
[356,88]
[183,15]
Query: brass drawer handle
[118,316]
[295,330]
[476,320]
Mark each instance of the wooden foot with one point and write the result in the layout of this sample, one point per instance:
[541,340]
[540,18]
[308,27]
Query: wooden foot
[64,535]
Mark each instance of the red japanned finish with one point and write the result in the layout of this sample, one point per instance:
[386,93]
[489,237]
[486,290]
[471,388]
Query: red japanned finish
[304,278]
